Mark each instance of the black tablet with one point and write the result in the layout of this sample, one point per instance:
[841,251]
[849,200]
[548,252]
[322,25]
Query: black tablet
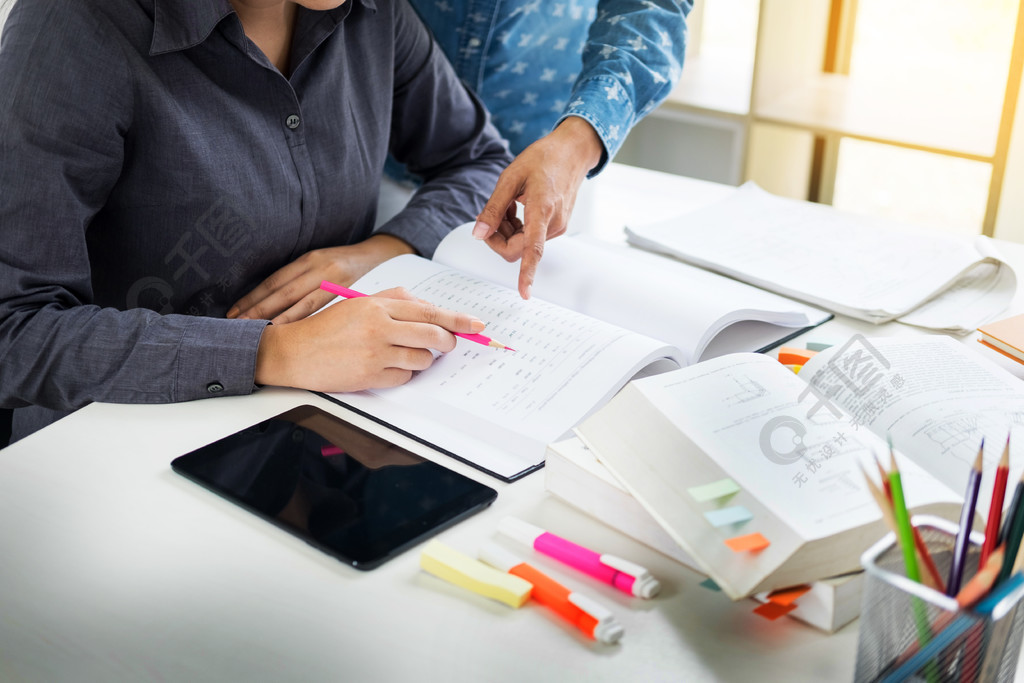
[340,488]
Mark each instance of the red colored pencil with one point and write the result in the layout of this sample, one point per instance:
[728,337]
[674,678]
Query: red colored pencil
[995,508]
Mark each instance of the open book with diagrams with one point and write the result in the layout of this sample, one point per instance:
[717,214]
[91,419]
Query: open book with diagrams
[790,447]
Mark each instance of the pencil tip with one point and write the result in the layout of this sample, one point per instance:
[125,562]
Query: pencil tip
[979,460]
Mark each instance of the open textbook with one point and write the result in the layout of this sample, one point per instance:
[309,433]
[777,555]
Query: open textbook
[791,447]
[867,268]
[597,318]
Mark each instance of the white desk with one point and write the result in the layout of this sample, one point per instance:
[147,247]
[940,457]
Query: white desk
[112,567]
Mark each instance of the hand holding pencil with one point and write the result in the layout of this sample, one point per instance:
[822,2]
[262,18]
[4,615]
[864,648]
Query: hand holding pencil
[364,343]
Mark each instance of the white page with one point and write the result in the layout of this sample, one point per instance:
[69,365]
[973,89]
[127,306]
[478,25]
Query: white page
[935,396]
[680,304]
[726,406]
[867,268]
[497,408]
[980,296]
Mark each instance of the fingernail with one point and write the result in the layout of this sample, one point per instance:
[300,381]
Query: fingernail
[476,325]
[232,312]
[480,230]
[529,290]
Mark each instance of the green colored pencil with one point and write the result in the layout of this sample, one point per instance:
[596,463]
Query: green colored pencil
[906,539]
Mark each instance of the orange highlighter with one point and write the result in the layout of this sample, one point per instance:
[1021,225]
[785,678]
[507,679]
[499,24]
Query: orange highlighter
[593,619]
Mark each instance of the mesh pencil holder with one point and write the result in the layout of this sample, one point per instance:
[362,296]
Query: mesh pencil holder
[909,632]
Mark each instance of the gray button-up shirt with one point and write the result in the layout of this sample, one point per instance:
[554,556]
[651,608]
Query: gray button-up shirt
[155,167]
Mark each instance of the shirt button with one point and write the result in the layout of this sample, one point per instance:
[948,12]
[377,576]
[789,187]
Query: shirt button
[214,388]
[474,42]
[292,121]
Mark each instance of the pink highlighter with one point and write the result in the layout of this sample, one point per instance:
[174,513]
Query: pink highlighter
[626,576]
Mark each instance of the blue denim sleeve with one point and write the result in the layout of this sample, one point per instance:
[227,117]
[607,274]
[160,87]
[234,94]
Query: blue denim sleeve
[444,135]
[632,59]
[67,104]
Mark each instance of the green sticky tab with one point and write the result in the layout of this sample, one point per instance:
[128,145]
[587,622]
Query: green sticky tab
[817,346]
[710,585]
[714,490]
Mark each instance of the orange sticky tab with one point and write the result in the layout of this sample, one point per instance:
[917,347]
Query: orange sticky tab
[749,543]
[787,596]
[789,355]
[773,610]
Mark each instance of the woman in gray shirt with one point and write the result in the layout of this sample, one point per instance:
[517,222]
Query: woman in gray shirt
[160,158]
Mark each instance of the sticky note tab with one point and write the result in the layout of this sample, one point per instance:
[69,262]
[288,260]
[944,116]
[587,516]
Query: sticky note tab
[710,584]
[736,514]
[749,543]
[471,574]
[795,368]
[789,355]
[817,346]
[714,490]
[773,610]
[788,596]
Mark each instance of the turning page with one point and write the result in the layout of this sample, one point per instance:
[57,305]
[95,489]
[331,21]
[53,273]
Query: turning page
[866,268]
[498,409]
[698,311]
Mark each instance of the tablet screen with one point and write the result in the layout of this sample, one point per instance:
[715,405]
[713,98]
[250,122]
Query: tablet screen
[342,489]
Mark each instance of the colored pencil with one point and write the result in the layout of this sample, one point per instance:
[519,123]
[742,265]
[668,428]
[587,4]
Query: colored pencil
[1015,502]
[956,569]
[983,580]
[995,508]
[902,517]
[1012,545]
[906,539]
[931,576]
[338,290]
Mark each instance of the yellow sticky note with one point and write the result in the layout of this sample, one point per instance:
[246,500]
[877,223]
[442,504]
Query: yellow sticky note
[469,573]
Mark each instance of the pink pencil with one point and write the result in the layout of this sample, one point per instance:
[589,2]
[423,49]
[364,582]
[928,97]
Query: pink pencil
[351,294]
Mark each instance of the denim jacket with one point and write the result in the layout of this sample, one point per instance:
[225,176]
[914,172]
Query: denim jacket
[535,62]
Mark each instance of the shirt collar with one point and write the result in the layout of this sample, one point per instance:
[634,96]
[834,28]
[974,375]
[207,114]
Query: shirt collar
[181,24]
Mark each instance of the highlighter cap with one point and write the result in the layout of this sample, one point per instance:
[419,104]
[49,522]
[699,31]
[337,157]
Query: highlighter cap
[493,554]
[607,630]
[520,531]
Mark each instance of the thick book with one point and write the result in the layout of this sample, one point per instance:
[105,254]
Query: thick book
[786,451]
[575,475]
[599,315]
[867,268]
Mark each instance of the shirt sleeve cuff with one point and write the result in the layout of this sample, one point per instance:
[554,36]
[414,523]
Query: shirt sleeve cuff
[607,106]
[217,357]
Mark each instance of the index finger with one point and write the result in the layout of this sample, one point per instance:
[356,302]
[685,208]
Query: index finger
[425,312]
[535,231]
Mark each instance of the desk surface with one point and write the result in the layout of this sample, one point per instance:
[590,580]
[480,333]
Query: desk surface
[112,567]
